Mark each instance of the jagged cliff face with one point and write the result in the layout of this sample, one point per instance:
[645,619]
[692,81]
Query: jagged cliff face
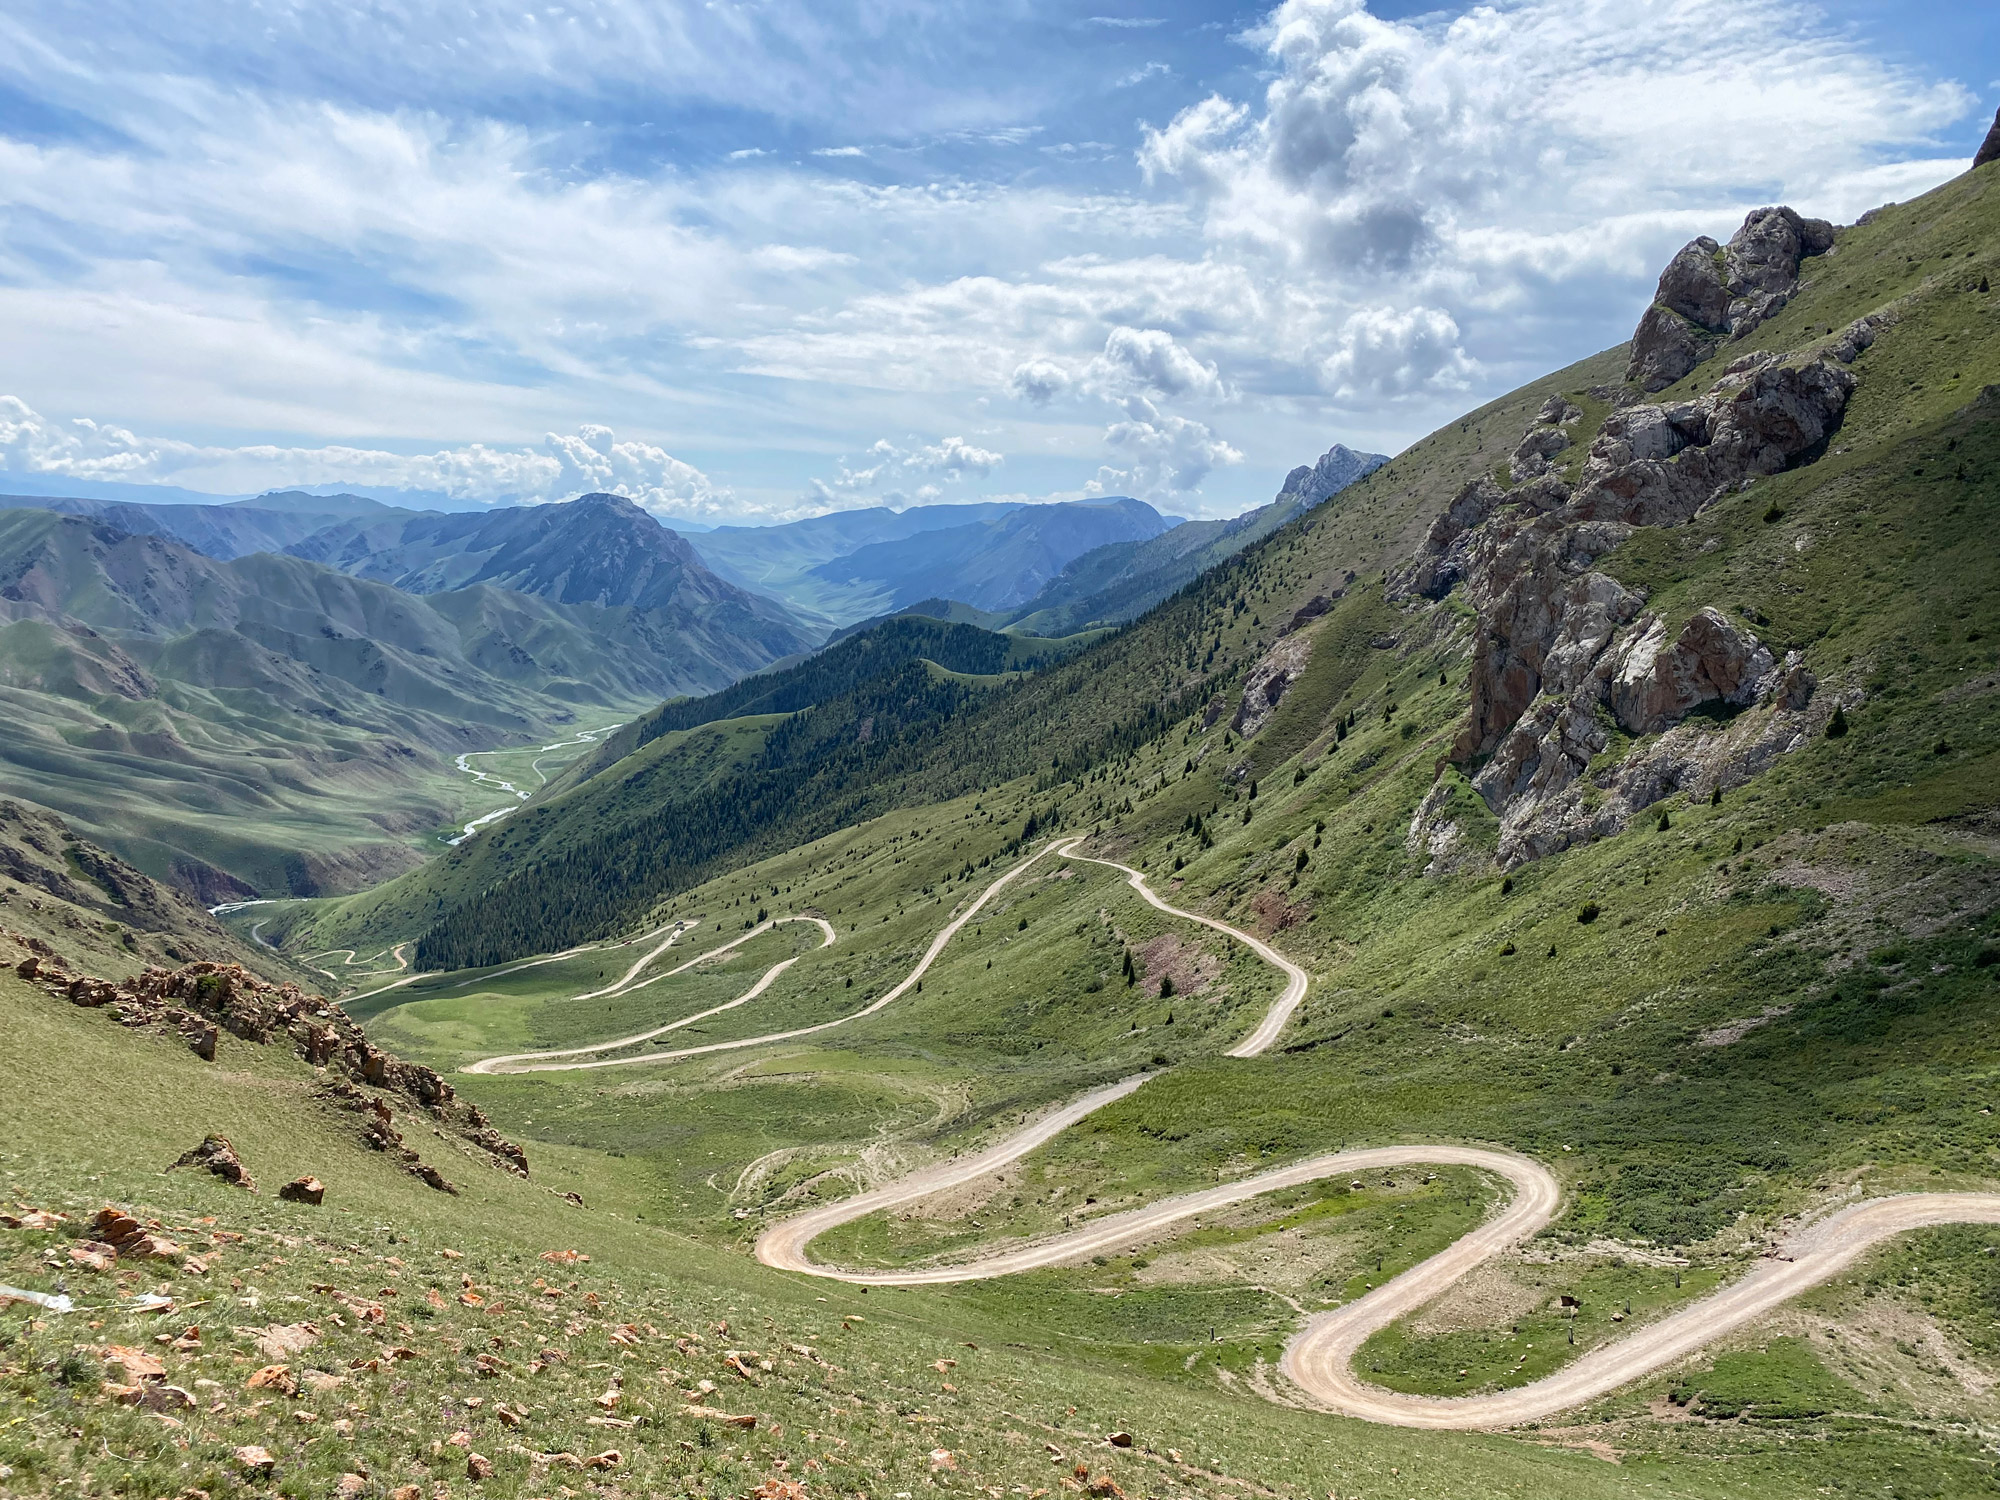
[1565,659]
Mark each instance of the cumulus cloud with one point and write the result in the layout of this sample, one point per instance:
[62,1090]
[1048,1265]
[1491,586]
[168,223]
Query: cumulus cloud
[565,465]
[1162,454]
[950,459]
[1038,381]
[1150,359]
[1380,145]
[1394,351]
[1444,198]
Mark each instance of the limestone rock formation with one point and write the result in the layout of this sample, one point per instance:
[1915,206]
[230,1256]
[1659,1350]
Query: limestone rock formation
[1654,686]
[1659,465]
[1709,291]
[1566,660]
[1274,672]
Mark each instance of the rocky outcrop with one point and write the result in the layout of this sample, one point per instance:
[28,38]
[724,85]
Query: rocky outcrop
[1275,671]
[1989,149]
[199,1000]
[1566,659]
[1660,465]
[1549,799]
[216,1155]
[1710,291]
[1654,686]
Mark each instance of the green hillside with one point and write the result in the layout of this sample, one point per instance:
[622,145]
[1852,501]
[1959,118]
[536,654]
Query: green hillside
[1620,767]
[269,726]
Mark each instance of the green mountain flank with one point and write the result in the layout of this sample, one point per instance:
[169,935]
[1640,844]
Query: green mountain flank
[1617,763]
[270,726]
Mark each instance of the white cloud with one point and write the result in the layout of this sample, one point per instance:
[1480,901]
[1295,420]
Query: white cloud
[565,465]
[951,459]
[1396,352]
[1382,145]
[1150,359]
[1038,381]
[840,151]
[1402,218]
[1140,75]
[1163,454]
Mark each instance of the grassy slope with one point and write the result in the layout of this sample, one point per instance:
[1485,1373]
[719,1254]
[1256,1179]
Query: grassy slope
[1853,883]
[862,1415]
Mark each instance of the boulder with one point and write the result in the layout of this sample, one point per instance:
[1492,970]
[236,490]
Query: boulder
[303,1190]
[255,1462]
[218,1156]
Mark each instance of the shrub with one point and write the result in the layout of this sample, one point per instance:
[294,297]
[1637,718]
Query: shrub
[1774,515]
[1589,913]
[1166,986]
[1837,725]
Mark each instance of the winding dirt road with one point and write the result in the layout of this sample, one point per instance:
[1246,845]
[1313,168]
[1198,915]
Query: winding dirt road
[1319,1357]
[544,1062]
[909,981]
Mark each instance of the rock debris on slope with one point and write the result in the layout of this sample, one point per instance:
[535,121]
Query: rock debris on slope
[199,1000]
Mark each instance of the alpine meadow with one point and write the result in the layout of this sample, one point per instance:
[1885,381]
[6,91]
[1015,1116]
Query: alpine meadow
[1495,975]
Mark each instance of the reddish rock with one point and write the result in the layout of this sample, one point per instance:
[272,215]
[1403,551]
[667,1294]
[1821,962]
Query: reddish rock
[218,1156]
[255,1462]
[303,1190]
[1653,688]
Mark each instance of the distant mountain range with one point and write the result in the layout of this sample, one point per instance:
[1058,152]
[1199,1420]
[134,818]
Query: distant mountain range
[1121,580]
[857,564]
[267,723]
[264,696]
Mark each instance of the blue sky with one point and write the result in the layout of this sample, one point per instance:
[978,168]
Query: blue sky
[761,258]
